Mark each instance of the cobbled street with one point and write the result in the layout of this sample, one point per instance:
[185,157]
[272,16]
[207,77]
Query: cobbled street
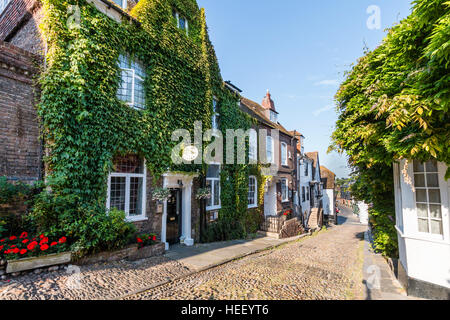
[327,265]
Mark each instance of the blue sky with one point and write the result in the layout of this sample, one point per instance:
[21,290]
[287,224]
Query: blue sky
[298,50]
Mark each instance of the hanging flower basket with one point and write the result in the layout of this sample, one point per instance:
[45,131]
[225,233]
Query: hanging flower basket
[160,194]
[203,193]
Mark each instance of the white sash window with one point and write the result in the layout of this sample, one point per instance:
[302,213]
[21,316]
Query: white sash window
[428,197]
[127,187]
[131,88]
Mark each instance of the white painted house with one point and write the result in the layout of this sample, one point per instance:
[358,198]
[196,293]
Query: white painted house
[423,227]
[328,179]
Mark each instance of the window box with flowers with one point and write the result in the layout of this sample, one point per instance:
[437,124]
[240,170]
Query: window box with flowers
[27,253]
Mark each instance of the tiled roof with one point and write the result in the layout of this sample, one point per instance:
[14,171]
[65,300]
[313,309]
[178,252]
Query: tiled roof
[328,177]
[258,111]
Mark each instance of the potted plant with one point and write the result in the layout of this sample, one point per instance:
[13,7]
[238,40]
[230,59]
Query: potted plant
[160,194]
[203,194]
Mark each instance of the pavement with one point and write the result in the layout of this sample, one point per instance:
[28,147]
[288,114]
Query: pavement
[379,281]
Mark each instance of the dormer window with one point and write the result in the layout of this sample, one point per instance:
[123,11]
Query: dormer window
[273,116]
[121,3]
[182,22]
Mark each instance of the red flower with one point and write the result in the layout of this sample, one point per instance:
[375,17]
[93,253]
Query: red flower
[16,250]
[44,240]
[32,245]
[154,238]
[3,240]
[8,251]
[25,241]
[23,235]
[53,243]
[139,240]
[44,247]
[23,251]
[12,238]
[1,247]
[41,236]
[62,240]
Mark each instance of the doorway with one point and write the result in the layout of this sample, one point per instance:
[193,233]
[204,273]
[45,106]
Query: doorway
[174,216]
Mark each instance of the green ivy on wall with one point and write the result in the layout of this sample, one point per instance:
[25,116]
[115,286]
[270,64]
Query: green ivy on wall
[86,125]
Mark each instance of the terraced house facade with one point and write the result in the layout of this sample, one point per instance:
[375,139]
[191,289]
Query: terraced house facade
[103,85]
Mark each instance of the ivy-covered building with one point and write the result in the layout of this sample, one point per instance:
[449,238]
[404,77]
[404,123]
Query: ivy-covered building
[116,80]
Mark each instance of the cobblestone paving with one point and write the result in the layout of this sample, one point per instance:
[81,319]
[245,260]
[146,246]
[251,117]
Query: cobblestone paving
[326,266]
[99,281]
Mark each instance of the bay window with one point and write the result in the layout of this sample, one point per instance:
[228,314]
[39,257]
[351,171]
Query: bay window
[252,192]
[213,183]
[131,88]
[127,187]
[428,197]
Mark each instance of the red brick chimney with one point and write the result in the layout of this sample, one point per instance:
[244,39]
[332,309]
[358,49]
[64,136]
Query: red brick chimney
[268,103]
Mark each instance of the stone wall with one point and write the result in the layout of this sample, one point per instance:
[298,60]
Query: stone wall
[20,147]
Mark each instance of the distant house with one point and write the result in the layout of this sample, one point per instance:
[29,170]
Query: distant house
[280,152]
[422,206]
[328,200]
[315,218]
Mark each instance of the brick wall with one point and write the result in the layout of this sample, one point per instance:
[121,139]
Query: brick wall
[16,12]
[20,149]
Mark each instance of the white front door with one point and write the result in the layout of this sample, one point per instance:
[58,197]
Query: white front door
[270,201]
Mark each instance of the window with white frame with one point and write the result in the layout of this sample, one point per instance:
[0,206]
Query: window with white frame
[121,3]
[252,192]
[131,88]
[253,145]
[3,4]
[306,168]
[213,183]
[127,187]
[303,194]
[215,115]
[269,150]
[273,116]
[284,190]
[182,22]
[284,155]
[428,197]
